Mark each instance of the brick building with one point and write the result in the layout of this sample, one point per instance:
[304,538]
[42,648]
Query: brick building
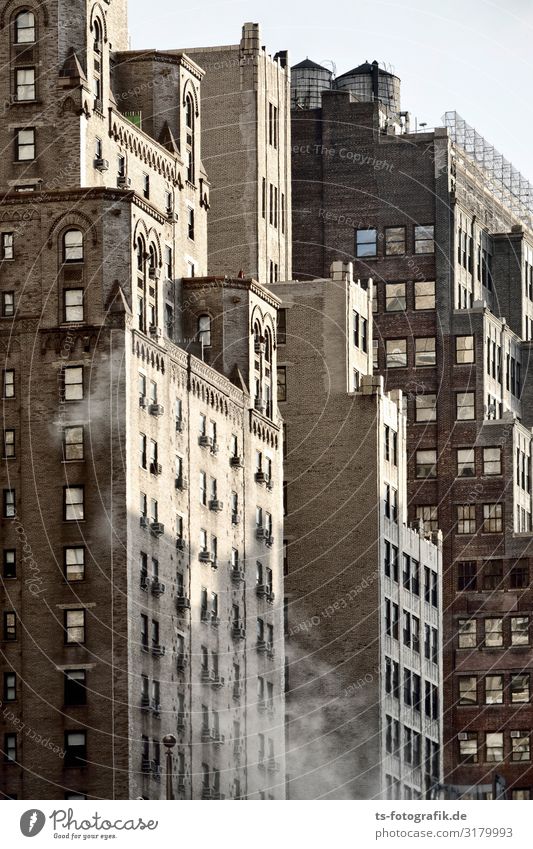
[141,477]
[441,223]
[363,589]
[246,143]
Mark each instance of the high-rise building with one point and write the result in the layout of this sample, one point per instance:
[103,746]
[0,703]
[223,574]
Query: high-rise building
[442,224]
[363,589]
[141,479]
[247,151]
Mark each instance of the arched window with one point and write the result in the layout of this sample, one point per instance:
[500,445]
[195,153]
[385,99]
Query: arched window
[73,246]
[204,330]
[268,346]
[153,261]
[25,28]
[97,37]
[189,141]
[140,255]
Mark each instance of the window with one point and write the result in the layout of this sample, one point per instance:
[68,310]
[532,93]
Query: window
[468,751]
[519,630]
[75,563]
[10,504]
[8,304]
[467,575]
[494,690]
[74,509]
[73,246]
[73,443]
[426,464]
[465,406]
[10,686]
[428,515]
[282,383]
[492,518]
[464,349]
[190,223]
[493,575]
[424,295]
[394,241]
[520,748]
[10,626]
[494,632]
[73,383]
[426,408]
[10,563]
[366,243]
[204,330]
[10,747]
[424,239]
[282,327]
[466,519]
[519,688]
[466,463]
[9,444]
[396,353]
[25,145]
[75,692]
[425,353]
[146,186]
[75,748]
[74,626]
[467,690]
[73,305]
[25,28]
[467,633]
[25,84]
[395,297]
[492,461]
[494,746]
[8,383]
[519,576]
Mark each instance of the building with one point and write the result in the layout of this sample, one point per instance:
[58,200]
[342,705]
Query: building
[246,148]
[441,222]
[141,474]
[363,589]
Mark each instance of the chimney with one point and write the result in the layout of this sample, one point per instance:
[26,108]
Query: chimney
[251,40]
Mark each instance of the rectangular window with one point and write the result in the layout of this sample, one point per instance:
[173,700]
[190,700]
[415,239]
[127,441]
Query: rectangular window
[8,304]
[467,575]
[520,747]
[75,748]
[10,626]
[190,224]
[464,349]
[282,327]
[426,464]
[494,747]
[396,350]
[519,688]
[9,444]
[7,246]
[394,241]
[25,84]
[74,509]
[465,406]
[10,748]
[73,305]
[366,241]
[468,750]
[75,563]
[10,504]
[466,463]
[519,630]
[10,687]
[282,383]
[146,186]
[519,576]
[74,626]
[73,443]
[425,239]
[494,690]
[492,518]
[467,690]
[467,633]
[75,692]
[425,351]
[395,300]
[493,575]
[426,408]
[492,461]
[8,383]
[73,383]
[494,632]
[424,295]
[428,515]
[25,145]
[10,563]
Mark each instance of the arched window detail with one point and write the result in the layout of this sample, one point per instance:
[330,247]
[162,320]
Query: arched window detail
[267,375]
[97,37]
[151,300]
[24,28]
[190,140]
[97,66]
[141,284]
[152,261]
[204,330]
[140,255]
[73,246]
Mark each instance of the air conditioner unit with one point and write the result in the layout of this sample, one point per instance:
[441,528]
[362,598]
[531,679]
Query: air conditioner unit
[156,770]
[462,736]
[216,505]
[180,544]
[236,461]
[144,522]
[205,615]
[204,557]
[181,662]
[145,765]
[180,722]
[205,441]
[262,533]
[173,217]
[156,708]
[155,468]
[259,347]
[179,425]
[270,650]
[270,484]
[235,519]
[156,409]
[145,582]
[516,734]
[158,588]
[157,529]
[261,477]
[153,273]
[219,681]
[143,402]
[218,738]
[183,603]
[260,405]
[207,676]
[261,645]
[269,540]
[155,332]
[101,164]
[158,651]
[239,632]
[124,182]
[237,575]
[181,483]
[145,702]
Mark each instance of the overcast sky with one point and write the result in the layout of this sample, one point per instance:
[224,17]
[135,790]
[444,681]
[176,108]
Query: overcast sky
[474,56]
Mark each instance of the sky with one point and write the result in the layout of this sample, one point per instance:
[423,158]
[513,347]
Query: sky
[474,56]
